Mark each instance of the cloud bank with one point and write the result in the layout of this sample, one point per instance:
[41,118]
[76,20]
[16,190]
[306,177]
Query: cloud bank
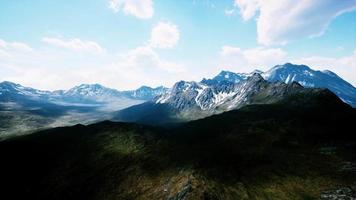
[75,44]
[281,21]
[246,60]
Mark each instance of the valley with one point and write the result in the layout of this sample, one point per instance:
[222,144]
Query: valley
[284,150]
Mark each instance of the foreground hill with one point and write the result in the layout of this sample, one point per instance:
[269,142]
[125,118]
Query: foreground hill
[298,148]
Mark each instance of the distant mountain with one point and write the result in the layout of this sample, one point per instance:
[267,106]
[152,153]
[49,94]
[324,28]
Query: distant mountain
[11,91]
[232,77]
[145,93]
[84,93]
[193,100]
[186,100]
[24,108]
[91,93]
[302,74]
[312,78]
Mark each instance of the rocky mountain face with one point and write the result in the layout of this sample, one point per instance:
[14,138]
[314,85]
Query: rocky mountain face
[145,93]
[314,79]
[302,74]
[224,96]
[229,90]
[193,100]
[231,76]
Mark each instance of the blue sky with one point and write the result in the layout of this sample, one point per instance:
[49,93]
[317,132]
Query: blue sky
[127,43]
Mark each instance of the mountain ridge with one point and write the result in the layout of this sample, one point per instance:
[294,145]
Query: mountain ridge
[193,100]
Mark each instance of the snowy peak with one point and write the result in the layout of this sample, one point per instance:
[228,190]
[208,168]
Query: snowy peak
[289,73]
[93,94]
[91,90]
[230,90]
[308,77]
[231,76]
[197,99]
[183,95]
[11,89]
[145,93]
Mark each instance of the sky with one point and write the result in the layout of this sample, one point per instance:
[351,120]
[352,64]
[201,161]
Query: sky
[124,44]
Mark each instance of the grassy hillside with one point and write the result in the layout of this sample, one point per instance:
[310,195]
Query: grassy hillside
[289,150]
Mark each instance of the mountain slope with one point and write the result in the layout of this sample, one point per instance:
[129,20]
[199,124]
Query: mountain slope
[145,93]
[311,78]
[302,74]
[194,100]
[274,151]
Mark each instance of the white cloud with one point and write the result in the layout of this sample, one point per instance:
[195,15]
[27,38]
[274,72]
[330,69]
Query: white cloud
[164,35]
[246,60]
[50,68]
[75,44]
[146,58]
[142,9]
[280,21]
[10,46]
[344,66]
[248,8]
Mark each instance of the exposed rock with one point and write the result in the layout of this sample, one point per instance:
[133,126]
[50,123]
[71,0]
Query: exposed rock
[339,193]
[182,195]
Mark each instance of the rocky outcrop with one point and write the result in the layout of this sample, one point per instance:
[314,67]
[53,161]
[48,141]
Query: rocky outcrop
[339,193]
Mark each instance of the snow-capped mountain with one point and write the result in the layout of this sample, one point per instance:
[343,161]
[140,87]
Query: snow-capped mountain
[90,93]
[225,95]
[189,100]
[145,92]
[194,100]
[302,74]
[11,91]
[24,108]
[308,77]
[231,76]
[83,92]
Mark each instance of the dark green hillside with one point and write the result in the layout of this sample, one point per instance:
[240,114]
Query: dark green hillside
[295,149]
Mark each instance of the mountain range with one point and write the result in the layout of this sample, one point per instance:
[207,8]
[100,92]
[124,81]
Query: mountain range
[227,91]
[186,100]
[302,74]
[302,147]
[259,135]
[84,93]
[24,108]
